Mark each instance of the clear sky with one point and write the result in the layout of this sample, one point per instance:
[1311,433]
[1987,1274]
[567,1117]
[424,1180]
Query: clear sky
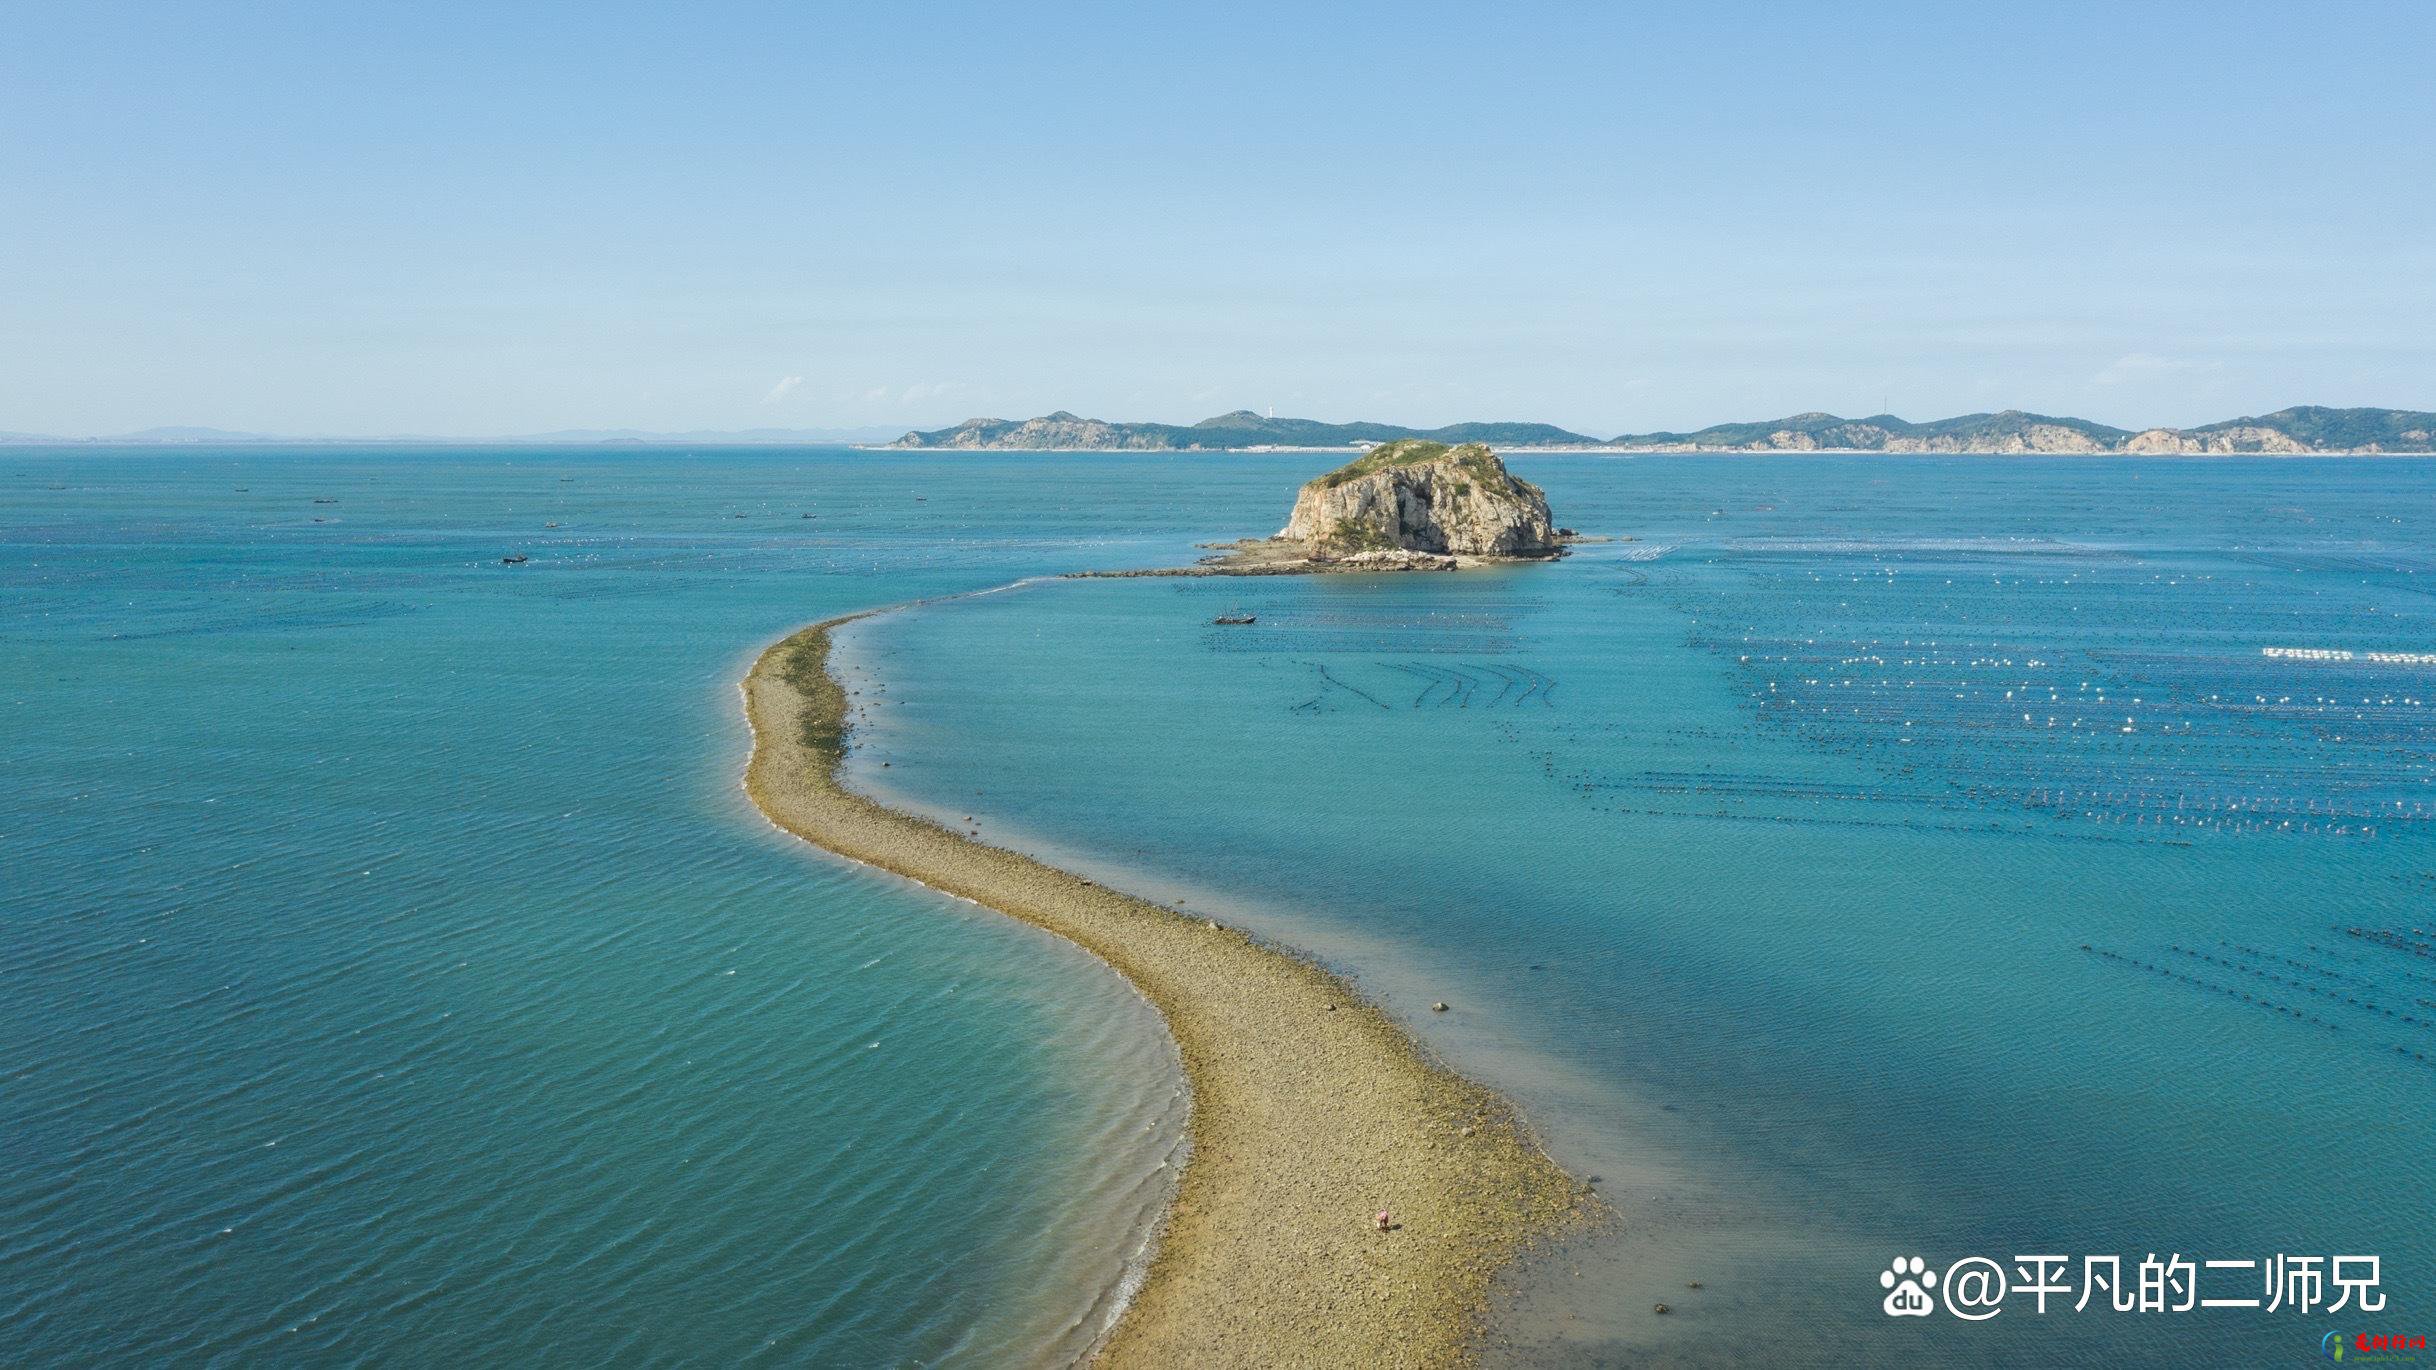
[476,218]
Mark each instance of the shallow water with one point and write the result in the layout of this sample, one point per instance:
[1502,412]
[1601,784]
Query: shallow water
[391,970]
[1873,858]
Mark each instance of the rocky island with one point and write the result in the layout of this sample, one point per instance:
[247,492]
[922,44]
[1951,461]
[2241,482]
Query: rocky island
[1426,497]
[1408,505]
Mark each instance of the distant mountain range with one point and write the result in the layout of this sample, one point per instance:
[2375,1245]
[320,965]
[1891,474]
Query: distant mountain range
[2305,429]
[1243,428]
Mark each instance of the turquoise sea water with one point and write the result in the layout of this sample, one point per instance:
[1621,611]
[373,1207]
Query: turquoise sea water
[1874,858]
[390,970]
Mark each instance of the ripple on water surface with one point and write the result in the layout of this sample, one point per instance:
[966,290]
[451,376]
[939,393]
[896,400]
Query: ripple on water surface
[393,971]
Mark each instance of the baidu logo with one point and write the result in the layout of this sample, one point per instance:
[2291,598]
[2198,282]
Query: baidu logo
[1907,1280]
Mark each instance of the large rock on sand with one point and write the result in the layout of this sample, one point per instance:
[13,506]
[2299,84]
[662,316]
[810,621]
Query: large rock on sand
[1419,496]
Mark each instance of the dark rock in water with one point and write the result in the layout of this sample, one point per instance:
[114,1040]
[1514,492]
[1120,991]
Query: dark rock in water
[1439,1007]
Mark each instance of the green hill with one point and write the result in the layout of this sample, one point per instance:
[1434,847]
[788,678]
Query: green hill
[2323,429]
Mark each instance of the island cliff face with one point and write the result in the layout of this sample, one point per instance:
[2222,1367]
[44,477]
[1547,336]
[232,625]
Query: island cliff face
[1416,496]
[2226,439]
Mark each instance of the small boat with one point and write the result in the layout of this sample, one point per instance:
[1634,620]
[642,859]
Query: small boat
[1235,620]
[517,560]
[325,501]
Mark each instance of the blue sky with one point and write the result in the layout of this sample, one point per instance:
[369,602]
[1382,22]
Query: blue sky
[442,218]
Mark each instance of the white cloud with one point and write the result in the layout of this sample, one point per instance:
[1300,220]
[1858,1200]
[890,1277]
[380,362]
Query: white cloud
[786,386]
[873,401]
[2140,366]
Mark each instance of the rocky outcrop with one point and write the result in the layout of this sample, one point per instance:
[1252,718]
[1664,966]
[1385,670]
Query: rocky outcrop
[2032,437]
[1414,496]
[2220,441]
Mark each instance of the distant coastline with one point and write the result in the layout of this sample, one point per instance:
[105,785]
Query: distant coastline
[2302,430]
[2299,431]
[1311,1109]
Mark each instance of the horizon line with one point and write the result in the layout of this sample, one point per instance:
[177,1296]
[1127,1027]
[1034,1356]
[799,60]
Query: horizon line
[861,434]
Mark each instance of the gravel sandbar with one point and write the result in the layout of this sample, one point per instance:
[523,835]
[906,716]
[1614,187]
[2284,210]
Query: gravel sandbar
[1311,1109]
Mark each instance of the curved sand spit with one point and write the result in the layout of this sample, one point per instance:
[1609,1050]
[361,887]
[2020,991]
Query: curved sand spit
[1311,1110]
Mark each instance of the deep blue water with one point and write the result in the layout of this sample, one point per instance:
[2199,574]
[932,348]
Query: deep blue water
[1872,858]
[390,970]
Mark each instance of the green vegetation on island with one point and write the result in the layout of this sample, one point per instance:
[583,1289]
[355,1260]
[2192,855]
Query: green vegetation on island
[1473,459]
[2342,430]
